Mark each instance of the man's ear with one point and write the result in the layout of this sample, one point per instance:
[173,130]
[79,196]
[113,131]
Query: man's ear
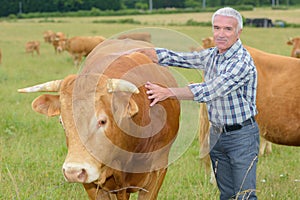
[47,104]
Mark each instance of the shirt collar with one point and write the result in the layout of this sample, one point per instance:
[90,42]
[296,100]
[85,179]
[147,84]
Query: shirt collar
[231,51]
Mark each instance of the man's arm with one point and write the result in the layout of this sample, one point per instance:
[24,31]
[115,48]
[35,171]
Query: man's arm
[157,93]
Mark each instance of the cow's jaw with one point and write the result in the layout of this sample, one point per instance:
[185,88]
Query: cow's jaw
[80,172]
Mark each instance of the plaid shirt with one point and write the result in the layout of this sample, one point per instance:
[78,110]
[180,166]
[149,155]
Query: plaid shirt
[230,83]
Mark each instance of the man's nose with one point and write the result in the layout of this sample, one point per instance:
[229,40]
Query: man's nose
[221,32]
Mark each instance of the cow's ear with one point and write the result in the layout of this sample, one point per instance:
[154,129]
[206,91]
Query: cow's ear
[124,106]
[47,104]
[132,108]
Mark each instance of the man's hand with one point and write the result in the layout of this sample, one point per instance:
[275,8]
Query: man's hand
[157,93]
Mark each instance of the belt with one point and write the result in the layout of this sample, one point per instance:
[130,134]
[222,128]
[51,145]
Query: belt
[233,127]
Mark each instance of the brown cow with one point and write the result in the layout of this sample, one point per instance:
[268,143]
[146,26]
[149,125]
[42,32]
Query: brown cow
[0,56]
[49,36]
[295,42]
[80,46]
[56,39]
[32,46]
[116,143]
[143,36]
[58,42]
[59,45]
[278,101]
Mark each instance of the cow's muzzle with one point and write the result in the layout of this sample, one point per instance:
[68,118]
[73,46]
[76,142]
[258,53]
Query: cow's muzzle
[80,173]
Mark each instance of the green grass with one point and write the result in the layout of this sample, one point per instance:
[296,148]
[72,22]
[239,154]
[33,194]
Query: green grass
[32,146]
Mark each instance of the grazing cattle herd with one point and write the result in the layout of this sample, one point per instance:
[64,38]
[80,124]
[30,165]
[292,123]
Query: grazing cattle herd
[80,46]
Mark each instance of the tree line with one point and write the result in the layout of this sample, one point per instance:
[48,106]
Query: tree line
[16,7]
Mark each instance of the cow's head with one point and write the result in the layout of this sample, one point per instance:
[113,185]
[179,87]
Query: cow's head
[290,41]
[85,106]
[295,42]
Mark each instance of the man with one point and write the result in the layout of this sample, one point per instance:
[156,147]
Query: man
[229,91]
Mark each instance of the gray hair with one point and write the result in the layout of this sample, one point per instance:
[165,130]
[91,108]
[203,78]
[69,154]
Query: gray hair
[230,12]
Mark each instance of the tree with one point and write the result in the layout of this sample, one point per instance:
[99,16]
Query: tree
[191,3]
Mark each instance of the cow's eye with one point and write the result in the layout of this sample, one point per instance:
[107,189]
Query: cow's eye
[102,120]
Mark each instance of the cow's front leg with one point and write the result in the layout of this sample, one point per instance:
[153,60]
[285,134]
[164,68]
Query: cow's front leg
[151,190]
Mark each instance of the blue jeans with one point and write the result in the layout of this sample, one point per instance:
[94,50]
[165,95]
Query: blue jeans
[234,159]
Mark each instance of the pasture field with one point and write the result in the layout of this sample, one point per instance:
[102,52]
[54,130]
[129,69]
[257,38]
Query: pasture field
[32,146]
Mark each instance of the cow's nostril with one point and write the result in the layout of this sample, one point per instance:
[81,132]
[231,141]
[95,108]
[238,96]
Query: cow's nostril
[82,176]
[75,174]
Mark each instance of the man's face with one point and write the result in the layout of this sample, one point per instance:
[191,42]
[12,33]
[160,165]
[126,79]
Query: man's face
[225,32]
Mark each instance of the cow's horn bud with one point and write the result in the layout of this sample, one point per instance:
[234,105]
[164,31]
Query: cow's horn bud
[114,85]
[51,86]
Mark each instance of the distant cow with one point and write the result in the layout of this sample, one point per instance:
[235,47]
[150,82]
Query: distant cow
[117,144]
[295,42]
[0,56]
[59,45]
[49,36]
[80,46]
[59,41]
[143,36]
[32,46]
